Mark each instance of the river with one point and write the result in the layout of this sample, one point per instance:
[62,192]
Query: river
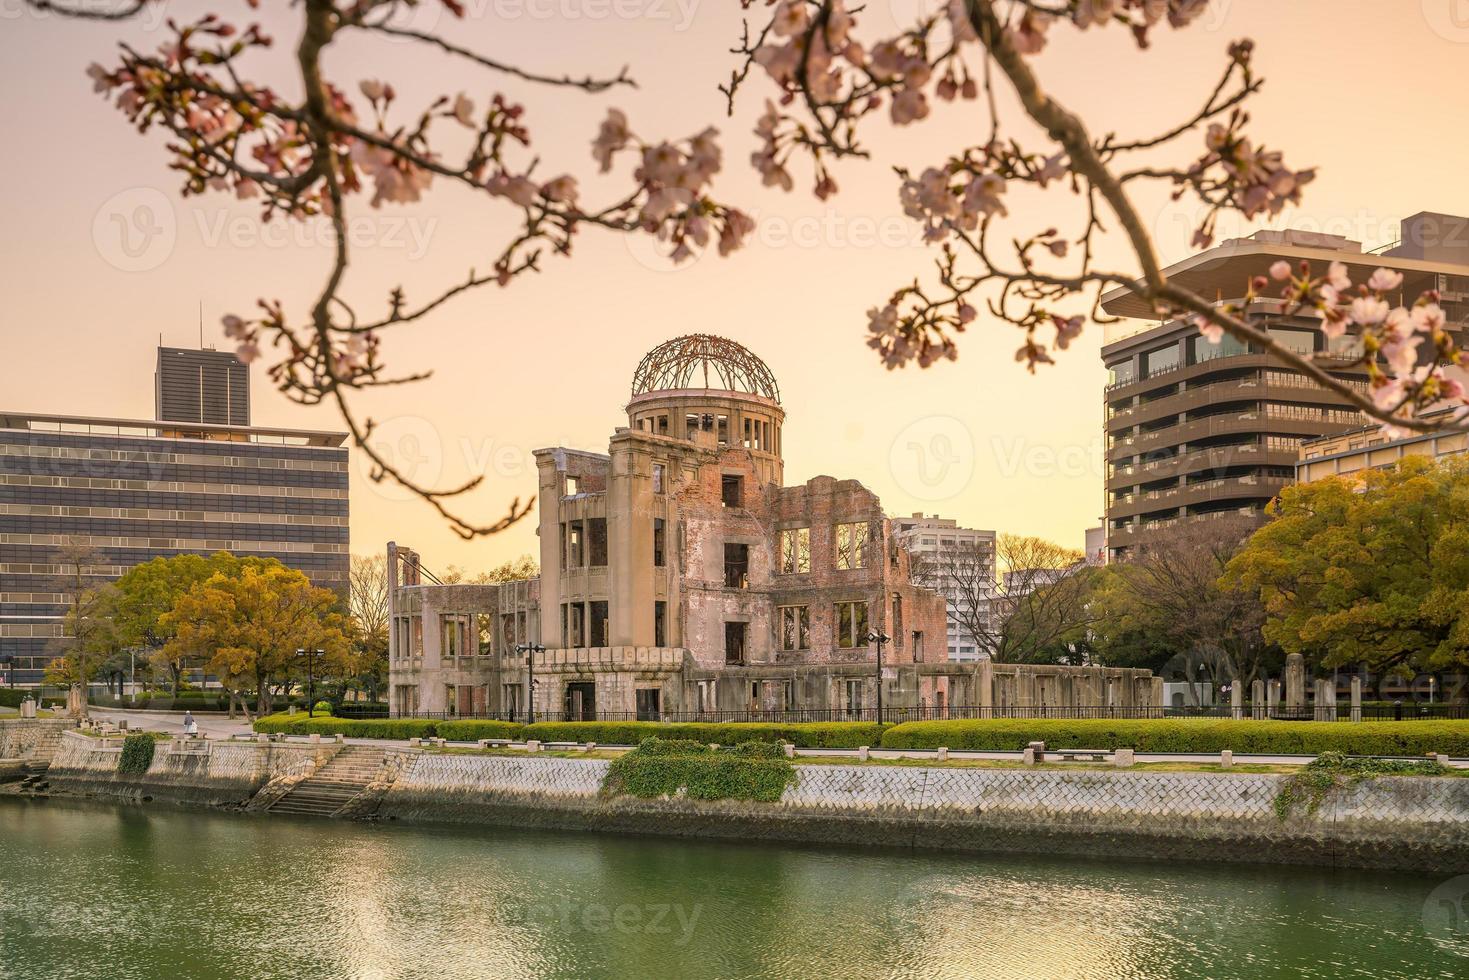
[91,891]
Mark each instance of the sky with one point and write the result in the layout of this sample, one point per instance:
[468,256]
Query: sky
[1369,91]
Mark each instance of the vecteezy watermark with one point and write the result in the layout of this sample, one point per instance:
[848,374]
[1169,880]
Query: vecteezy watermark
[409,444]
[673,920]
[1449,19]
[149,17]
[405,233]
[1446,916]
[135,230]
[933,458]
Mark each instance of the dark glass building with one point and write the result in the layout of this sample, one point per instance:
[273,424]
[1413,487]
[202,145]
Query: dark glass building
[135,490]
[207,386]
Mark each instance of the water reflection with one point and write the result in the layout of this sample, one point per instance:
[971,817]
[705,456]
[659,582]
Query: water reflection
[88,891]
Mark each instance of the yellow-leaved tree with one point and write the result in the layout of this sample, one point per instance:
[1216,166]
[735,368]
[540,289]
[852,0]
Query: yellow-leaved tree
[247,628]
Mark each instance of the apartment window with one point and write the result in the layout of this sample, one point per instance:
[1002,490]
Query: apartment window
[1121,374]
[732,490]
[485,623]
[795,550]
[795,627]
[1298,341]
[660,623]
[851,545]
[658,469]
[851,624]
[658,542]
[1158,361]
[734,643]
[736,566]
[599,624]
[573,485]
[597,541]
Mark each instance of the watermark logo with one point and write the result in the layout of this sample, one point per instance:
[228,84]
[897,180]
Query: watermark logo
[1449,19]
[933,458]
[1446,916]
[672,922]
[135,230]
[409,444]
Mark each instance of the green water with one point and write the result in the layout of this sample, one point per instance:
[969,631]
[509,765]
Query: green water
[91,891]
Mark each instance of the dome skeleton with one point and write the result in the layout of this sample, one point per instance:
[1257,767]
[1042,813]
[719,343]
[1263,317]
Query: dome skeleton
[672,365]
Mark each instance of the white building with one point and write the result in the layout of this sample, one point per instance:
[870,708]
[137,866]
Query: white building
[927,537]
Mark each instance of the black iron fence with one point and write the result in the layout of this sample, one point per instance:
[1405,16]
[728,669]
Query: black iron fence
[892,715]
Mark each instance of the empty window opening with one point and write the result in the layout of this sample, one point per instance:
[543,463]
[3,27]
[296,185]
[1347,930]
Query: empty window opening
[732,490]
[734,643]
[737,566]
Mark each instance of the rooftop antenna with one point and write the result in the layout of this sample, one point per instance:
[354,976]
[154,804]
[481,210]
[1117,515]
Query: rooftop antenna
[201,324]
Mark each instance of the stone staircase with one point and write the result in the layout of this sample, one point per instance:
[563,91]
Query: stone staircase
[334,785]
[34,782]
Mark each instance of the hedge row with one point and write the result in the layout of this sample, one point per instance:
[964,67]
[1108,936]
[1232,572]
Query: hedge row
[299,724]
[1190,735]
[473,731]
[820,735]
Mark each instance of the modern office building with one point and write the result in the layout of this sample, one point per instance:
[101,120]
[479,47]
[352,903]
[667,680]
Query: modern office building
[206,386]
[1368,448]
[1195,429]
[938,543]
[133,490]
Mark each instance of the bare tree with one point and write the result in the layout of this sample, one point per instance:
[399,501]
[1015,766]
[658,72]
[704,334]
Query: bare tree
[1173,585]
[367,600]
[1038,602]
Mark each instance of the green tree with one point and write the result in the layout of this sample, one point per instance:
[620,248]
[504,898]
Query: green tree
[251,626]
[146,592]
[1372,570]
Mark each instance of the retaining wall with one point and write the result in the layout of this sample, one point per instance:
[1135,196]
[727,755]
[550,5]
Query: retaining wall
[30,739]
[1389,822]
[197,771]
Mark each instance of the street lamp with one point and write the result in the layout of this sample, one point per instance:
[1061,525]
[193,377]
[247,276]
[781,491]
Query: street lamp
[878,637]
[530,650]
[310,656]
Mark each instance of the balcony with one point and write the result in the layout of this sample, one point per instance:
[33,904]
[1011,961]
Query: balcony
[1212,458]
[1219,392]
[1193,494]
[1123,537]
[1209,364]
[1226,424]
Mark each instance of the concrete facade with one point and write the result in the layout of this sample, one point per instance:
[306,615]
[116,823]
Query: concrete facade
[929,537]
[680,577]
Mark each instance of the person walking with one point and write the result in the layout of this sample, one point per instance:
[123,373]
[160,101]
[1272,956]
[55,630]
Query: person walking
[191,727]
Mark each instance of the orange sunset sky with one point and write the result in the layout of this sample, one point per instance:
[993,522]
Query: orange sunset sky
[1371,91]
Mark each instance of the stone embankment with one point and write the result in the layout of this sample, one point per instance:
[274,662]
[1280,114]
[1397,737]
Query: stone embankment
[1395,822]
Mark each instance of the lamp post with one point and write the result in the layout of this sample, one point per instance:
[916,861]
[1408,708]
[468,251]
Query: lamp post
[310,656]
[530,650]
[879,638]
[9,663]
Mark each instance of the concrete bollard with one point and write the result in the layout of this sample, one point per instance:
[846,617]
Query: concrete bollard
[262,739]
[1441,759]
[290,711]
[532,745]
[1123,759]
[314,738]
[942,754]
[1038,751]
[1027,757]
[122,726]
[790,750]
[415,742]
[483,743]
[713,746]
[590,747]
[339,738]
[862,751]
[1226,759]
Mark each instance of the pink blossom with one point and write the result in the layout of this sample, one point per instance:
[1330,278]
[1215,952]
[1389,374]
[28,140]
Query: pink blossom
[1028,35]
[1211,331]
[1280,270]
[521,190]
[611,137]
[234,327]
[737,225]
[248,351]
[1337,277]
[1067,330]
[1368,310]
[791,18]
[1386,394]
[966,313]
[1428,318]
[1402,355]
[561,190]
[909,105]
[101,80]
[373,89]
[1054,168]
[464,110]
[1385,280]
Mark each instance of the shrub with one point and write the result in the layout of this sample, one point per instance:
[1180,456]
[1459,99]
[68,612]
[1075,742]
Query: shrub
[1190,735]
[821,735]
[472,731]
[299,724]
[137,753]
[1332,770]
[324,707]
[659,767]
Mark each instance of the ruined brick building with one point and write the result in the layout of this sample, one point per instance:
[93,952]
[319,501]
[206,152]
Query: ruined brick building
[680,577]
